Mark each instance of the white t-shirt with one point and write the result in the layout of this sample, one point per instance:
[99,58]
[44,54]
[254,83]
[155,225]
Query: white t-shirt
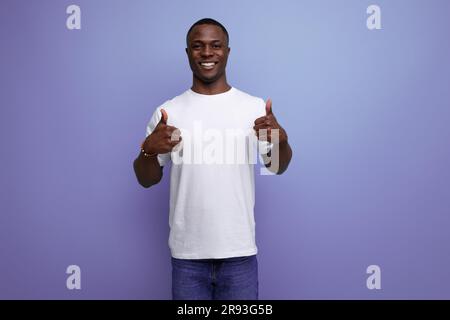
[212,191]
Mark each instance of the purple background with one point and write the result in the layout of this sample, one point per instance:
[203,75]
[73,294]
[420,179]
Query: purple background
[367,115]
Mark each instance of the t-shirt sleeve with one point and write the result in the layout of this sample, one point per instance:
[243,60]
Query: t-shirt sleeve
[156,117]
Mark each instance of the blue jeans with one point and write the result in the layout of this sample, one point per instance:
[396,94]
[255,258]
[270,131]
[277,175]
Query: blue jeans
[215,279]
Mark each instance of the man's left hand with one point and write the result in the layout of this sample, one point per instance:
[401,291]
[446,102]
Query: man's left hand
[269,122]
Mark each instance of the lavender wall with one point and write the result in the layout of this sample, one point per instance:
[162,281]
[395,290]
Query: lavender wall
[366,112]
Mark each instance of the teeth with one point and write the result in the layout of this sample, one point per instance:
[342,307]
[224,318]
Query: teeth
[207,64]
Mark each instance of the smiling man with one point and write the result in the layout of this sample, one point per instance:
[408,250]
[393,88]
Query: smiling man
[212,228]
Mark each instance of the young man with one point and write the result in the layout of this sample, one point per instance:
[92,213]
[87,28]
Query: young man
[212,229]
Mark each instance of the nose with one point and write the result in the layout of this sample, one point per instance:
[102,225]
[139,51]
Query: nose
[206,52]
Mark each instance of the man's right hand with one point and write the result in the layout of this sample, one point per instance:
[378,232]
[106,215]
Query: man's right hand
[163,139]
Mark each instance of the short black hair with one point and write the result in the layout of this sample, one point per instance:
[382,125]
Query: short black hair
[207,21]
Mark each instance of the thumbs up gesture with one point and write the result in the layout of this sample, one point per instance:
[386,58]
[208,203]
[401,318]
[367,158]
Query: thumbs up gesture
[163,138]
[269,122]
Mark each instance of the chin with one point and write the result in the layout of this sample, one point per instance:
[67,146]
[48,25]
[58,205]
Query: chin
[207,79]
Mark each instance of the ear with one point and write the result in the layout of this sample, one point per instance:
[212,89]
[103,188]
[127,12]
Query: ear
[229,49]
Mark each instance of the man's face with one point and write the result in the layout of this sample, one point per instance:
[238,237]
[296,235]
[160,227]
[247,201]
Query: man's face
[207,52]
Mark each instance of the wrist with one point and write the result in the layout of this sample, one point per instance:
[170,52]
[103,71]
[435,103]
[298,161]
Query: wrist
[146,152]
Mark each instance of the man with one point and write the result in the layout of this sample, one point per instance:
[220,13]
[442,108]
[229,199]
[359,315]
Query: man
[212,229]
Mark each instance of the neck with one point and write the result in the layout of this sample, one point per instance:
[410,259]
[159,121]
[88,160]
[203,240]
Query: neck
[216,87]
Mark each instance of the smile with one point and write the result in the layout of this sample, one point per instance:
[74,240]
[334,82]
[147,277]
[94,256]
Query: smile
[208,65]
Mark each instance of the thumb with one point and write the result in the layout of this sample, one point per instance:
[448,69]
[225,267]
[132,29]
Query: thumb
[164,116]
[268,106]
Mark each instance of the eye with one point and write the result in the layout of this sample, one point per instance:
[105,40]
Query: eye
[216,46]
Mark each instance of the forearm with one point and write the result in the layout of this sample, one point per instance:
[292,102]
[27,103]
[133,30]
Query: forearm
[148,170]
